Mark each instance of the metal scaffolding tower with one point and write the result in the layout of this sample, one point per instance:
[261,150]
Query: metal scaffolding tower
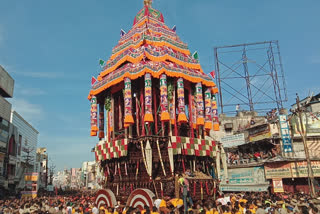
[250,75]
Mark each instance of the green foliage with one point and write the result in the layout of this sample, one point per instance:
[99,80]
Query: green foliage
[170,89]
[107,103]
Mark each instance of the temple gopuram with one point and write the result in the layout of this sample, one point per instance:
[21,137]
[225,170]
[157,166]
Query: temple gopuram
[153,109]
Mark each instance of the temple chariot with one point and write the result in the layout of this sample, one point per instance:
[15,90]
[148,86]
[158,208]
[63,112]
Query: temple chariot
[153,109]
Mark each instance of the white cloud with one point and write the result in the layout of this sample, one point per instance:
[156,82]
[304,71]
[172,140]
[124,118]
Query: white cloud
[20,90]
[314,59]
[29,111]
[44,75]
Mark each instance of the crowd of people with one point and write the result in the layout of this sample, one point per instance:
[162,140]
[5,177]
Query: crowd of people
[240,203]
[235,158]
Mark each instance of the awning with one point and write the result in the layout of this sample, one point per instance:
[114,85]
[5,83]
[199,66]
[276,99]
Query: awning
[244,188]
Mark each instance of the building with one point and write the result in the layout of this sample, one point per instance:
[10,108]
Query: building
[6,91]
[42,167]
[91,176]
[27,148]
[249,141]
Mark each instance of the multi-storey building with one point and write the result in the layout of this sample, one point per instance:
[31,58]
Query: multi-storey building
[27,147]
[6,91]
[41,167]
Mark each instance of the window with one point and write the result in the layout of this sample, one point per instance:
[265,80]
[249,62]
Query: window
[20,144]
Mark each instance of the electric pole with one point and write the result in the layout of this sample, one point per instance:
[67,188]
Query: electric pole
[306,149]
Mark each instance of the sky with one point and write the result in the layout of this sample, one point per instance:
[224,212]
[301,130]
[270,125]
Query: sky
[52,48]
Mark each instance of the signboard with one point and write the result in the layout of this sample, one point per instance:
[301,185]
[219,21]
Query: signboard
[278,170]
[310,121]
[245,179]
[277,185]
[291,170]
[300,169]
[28,194]
[232,140]
[31,176]
[259,133]
[285,133]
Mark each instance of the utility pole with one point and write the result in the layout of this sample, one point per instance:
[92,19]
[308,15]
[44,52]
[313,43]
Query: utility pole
[306,150]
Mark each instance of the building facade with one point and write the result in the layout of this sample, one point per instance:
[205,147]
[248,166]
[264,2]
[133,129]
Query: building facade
[27,147]
[6,91]
[41,167]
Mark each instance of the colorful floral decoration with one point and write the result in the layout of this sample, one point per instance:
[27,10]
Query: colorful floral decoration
[101,120]
[110,119]
[215,118]
[164,98]
[208,112]
[148,117]
[200,107]
[182,118]
[172,111]
[194,112]
[94,122]
[128,118]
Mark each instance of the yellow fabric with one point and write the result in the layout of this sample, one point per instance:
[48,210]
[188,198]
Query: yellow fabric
[243,200]
[143,211]
[163,203]
[176,201]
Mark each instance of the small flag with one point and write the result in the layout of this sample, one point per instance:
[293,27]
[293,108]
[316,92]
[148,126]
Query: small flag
[93,81]
[101,62]
[122,33]
[213,74]
[174,28]
[195,55]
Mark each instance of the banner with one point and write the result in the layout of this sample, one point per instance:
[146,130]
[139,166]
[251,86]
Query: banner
[244,179]
[128,118]
[164,98]
[148,117]
[259,133]
[233,140]
[310,122]
[182,118]
[278,170]
[101,120]
[194,112]
[214,109]
[93,111]
[200,107]
[208,112]
[277,185]
[285,133]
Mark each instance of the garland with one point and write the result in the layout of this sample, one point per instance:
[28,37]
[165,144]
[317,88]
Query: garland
[164,98]
[182,118]
[208,112]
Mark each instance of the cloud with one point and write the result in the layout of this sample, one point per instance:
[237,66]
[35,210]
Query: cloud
[29,111]
[44,75]
[314,59]
[29,91]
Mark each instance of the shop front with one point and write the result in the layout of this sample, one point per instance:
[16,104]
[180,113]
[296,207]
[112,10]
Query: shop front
[294,175]
[250,179]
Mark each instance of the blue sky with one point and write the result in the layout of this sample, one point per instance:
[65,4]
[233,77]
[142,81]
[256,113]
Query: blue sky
[52,47]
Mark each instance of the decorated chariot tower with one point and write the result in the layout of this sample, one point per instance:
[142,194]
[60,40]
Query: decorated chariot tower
[153,109]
